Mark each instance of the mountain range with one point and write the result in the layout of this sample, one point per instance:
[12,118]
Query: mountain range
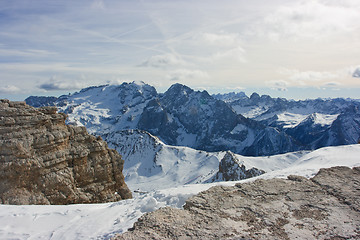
[251,126]
[312,123]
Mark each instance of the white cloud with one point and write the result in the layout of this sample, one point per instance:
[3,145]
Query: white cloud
[313,19]
[54,85]
[186,74]
[25,53]
[279,85]
[163,61]
[221,40]
[9,89]
[311,76]
[218,47]
[98,4]
[237,54]
[318,77]
[356,73]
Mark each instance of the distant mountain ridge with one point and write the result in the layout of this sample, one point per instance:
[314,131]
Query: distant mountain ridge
[312,123]
[253,126]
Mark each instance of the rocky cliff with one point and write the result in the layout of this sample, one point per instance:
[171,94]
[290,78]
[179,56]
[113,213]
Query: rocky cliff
[326,206]
[45,161]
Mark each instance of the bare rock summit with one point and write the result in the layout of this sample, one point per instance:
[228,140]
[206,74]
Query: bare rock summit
[326,206]
[45,161]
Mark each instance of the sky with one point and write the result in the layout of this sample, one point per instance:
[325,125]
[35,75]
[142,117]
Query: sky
[295,49]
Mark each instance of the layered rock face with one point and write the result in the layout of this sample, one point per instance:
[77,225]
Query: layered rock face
[44,161]
[324,207]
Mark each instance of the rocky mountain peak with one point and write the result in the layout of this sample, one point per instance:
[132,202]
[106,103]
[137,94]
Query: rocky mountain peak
[255,96]
[45,161]
[136,89]
[231,169]
[177,94]
[178,88]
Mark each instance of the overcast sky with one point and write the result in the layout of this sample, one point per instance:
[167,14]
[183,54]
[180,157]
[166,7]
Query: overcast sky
[294,49]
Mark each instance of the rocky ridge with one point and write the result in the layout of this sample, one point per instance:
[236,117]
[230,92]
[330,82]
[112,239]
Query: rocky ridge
[312,123]
[45,161]
[326,206]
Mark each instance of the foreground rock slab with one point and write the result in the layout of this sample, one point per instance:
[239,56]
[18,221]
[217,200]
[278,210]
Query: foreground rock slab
[326,206]
[44,161]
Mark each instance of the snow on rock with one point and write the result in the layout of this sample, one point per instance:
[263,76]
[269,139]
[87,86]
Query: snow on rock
[150,164]
[323,207]
[101,221]
[181,116]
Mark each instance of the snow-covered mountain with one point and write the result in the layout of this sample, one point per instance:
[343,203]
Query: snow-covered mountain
[180,116]
[252,126]
[102,221]
[150,164]
[311,123]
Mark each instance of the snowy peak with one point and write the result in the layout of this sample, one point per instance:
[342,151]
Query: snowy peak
[178,89]
[133,90]
[319,119]
[107,108]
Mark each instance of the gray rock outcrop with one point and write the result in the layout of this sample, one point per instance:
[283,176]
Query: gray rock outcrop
[324,207]
[231,169]
[45,161]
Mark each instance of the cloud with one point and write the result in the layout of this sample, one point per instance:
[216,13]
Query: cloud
[186,74]
[25,53]
[310,19]
[332,84]
[279,85]
[98,4]
[56,85]
[319,77]
[9,89]
[222,47]
[311,76]
[163,61]
[222,40]
[237,54]
[356,73]
[335,86]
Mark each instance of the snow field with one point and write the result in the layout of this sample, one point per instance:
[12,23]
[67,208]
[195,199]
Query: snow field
[102,221]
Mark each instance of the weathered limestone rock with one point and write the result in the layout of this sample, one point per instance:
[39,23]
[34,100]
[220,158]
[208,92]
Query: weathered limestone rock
[324,207]
[44,161]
